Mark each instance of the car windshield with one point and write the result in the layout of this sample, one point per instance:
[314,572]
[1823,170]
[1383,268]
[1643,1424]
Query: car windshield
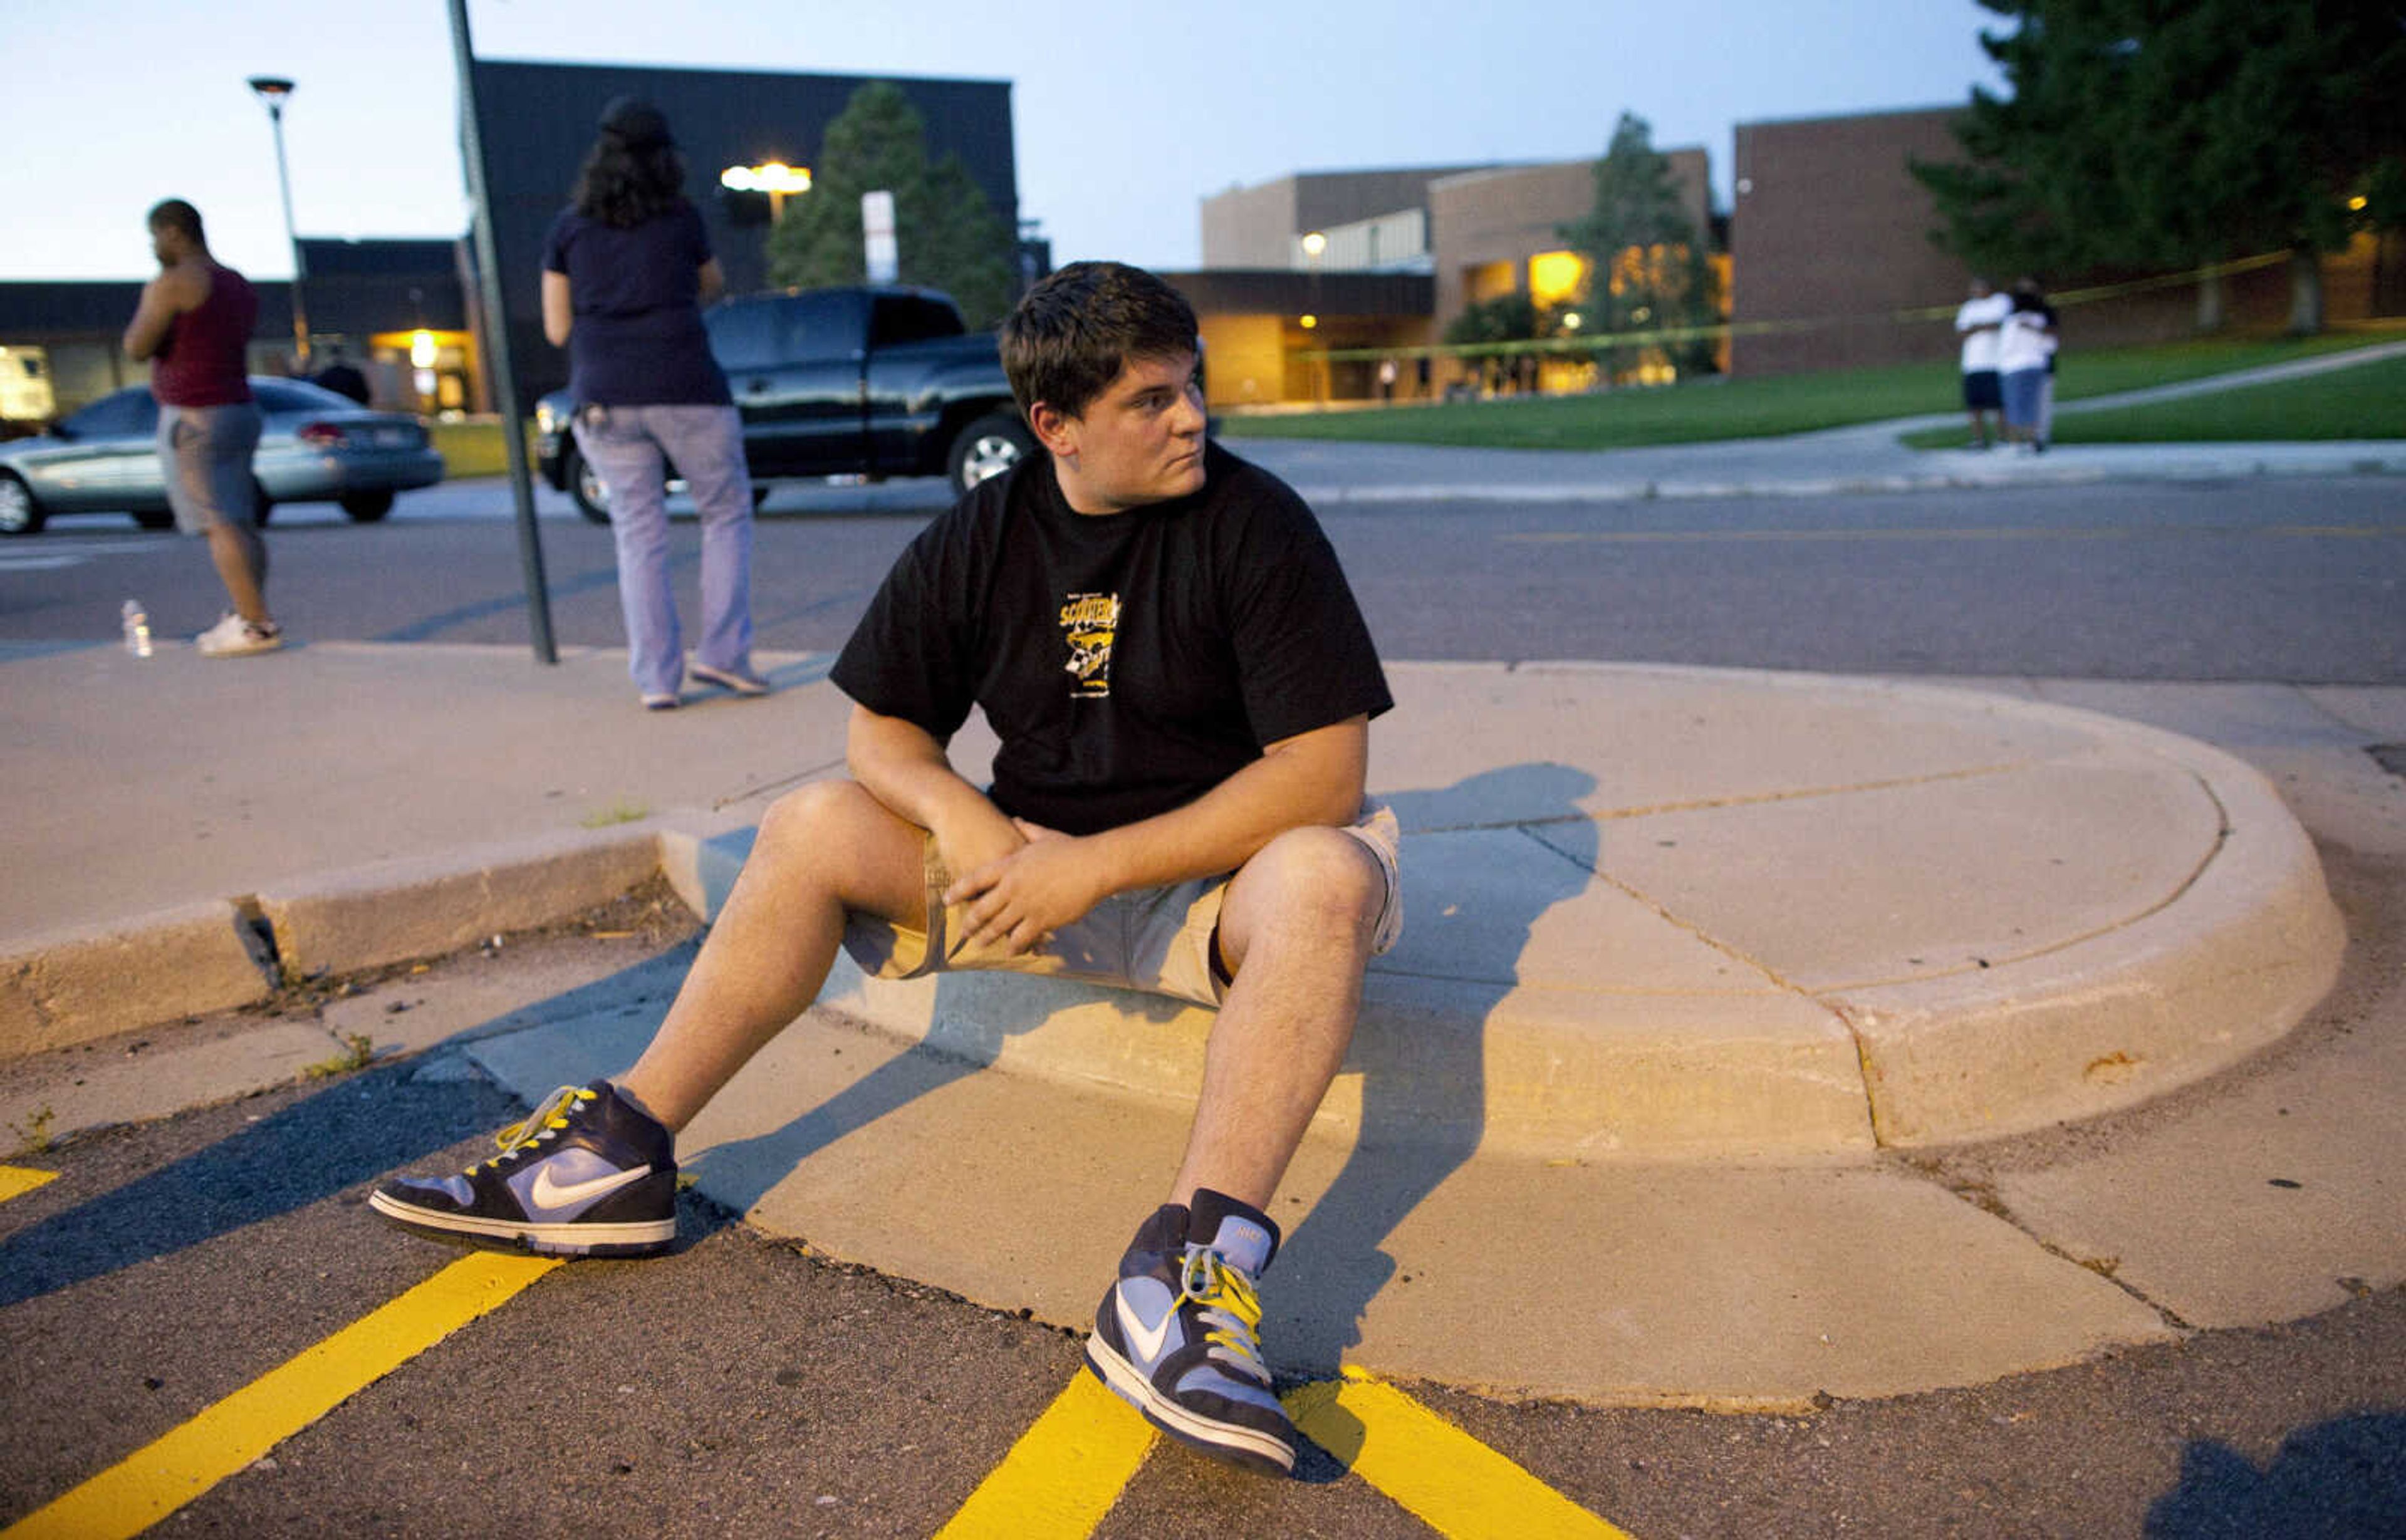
[127,412]
[275,395]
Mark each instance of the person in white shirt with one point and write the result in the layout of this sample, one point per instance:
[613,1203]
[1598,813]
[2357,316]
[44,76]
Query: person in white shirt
[2025,354]
[1977,322]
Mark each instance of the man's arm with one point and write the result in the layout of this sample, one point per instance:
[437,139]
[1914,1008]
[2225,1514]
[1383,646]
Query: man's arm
[713,281]
[163,298]
[897,762]
[1315,777]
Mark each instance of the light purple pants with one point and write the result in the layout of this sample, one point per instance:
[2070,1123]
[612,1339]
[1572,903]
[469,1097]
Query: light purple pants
[625,446]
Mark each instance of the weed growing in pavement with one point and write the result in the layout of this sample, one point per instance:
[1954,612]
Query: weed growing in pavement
[37,1139]
[618,811]
[359,1051]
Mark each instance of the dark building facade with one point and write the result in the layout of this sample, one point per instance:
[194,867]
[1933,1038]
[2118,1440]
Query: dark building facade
[539,118]
[1836,266]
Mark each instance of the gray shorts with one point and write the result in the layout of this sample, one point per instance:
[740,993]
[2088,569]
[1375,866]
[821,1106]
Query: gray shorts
[1154,939]
[204,458]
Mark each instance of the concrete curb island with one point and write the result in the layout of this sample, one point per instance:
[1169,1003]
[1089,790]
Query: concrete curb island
[1740,1016]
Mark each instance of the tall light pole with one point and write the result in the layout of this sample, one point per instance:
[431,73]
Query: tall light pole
[273,90]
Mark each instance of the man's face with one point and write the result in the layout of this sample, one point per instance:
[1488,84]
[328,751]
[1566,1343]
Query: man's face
[1138,443]
[166,244]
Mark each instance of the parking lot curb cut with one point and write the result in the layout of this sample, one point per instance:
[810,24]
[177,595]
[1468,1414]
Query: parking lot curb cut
[74,986]
[426,905]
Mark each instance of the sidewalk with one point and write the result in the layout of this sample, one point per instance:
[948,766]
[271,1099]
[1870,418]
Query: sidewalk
[1707,976]
[1866,457]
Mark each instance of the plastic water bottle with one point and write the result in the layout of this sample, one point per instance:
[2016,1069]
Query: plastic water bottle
[137,629]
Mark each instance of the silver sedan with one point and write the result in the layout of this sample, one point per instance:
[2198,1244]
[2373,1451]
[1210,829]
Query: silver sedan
[314,446]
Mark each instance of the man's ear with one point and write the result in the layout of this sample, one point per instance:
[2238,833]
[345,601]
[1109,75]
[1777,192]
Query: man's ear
[1055,429]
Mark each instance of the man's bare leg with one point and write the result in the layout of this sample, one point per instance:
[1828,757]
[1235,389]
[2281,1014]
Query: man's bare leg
[1295,927]
[240,556]
[822,850]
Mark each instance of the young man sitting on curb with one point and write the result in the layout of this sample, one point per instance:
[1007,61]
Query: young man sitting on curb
[1181,684]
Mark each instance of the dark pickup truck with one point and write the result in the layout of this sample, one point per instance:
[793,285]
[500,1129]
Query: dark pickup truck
[873,382]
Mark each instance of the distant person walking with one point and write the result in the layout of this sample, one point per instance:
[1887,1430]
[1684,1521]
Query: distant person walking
[626,269]
[193,326]
[2025,356]
[1977,321]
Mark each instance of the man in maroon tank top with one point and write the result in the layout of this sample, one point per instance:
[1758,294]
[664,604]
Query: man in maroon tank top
[194,326]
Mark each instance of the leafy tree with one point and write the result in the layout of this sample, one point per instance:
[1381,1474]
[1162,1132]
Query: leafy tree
[2176,134]
[1504,318]
[947,235]
[1646,260]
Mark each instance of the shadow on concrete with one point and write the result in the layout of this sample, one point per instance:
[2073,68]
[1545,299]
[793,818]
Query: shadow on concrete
[1423,1073]
[2345,1479]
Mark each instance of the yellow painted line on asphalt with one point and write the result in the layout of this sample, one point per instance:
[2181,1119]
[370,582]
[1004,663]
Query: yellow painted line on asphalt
[1446,1479]
[1064,1474]
[156,1479]
[18,1181]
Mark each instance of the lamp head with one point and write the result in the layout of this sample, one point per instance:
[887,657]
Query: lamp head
[271,90]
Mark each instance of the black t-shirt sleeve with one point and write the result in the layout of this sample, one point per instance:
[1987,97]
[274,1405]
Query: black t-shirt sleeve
[908,657]
[1304,658]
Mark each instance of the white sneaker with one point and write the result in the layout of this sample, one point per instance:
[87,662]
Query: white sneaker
[235,637]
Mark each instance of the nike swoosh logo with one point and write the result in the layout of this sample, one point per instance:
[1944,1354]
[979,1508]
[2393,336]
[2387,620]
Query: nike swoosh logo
[546,1194]
[1147,1341]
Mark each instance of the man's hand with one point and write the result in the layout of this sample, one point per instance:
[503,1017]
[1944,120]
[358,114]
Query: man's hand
[1019,900]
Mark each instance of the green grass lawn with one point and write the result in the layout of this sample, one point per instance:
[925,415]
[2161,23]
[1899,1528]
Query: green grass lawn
[1707,410]
[2366,401]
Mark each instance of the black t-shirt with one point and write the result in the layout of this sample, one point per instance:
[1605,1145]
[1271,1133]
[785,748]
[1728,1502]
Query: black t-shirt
[1129,662]
[635,295]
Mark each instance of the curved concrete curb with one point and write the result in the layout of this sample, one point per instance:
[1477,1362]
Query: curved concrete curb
[2232,963]
[1574,992]
[2239,946]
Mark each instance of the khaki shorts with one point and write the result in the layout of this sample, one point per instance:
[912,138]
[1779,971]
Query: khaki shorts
[1154,939]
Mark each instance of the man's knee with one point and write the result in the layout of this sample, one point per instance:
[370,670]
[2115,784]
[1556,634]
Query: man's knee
[1321,880]
[819,817]
[835,838]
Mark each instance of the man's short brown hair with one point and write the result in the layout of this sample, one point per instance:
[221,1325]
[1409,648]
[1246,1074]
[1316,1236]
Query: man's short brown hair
[1072,334]
[176,213]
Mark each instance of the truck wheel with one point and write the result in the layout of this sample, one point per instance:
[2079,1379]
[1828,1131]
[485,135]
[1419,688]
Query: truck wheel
[585,486]
[989,446]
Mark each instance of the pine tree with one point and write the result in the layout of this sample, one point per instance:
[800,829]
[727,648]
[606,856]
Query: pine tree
[947,235]
[2168,134]
[1646,261]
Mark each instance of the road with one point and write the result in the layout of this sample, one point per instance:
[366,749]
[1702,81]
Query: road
[2288,579]
[743,1387]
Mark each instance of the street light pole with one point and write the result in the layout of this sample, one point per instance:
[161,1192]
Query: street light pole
[273,90]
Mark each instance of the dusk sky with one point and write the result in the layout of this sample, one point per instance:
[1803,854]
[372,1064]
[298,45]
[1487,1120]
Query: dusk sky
[1125,117]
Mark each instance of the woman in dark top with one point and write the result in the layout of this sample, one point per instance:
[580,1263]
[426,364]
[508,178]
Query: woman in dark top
[626,269]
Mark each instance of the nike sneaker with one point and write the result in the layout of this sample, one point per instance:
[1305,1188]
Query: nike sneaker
[1178,1336]
[587,1174]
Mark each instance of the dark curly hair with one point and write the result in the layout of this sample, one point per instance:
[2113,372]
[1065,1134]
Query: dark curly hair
[633,174]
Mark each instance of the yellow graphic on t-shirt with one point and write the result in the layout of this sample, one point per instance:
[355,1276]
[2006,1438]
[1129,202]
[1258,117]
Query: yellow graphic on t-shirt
[1092,624]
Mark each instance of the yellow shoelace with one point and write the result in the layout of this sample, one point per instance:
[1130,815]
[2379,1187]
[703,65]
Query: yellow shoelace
[541,1124]
[1229,1306]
